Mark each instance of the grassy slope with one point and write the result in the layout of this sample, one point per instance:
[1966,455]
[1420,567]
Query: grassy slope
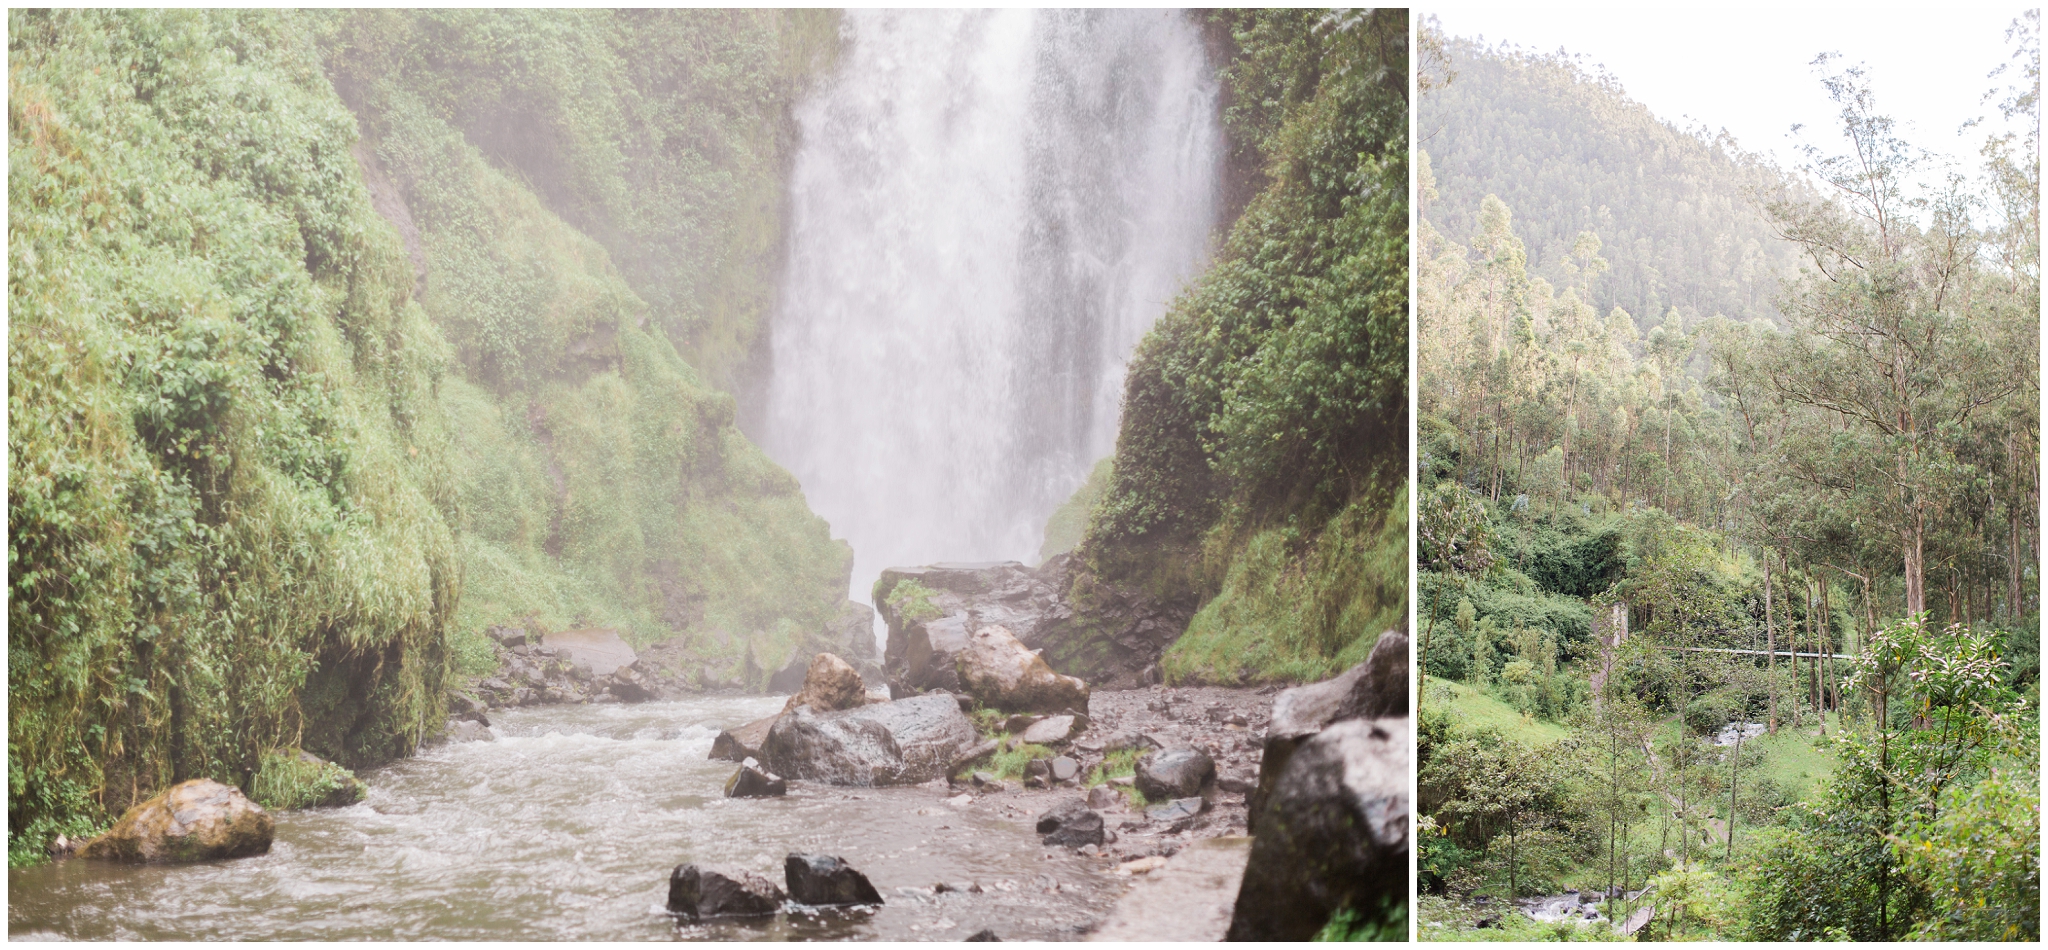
[1474,709]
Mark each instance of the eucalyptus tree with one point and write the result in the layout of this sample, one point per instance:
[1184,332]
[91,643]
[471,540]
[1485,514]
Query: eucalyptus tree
[1894,347]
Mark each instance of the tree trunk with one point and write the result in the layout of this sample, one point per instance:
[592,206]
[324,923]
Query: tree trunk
[1770,647]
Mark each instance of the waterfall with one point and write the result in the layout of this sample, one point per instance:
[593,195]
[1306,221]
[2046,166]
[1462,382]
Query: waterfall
[988,209]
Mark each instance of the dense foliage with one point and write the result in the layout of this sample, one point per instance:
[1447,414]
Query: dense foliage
[1734,619]
[1258,467]
[604,480]
[319,363]
[229,491]
[1566,148]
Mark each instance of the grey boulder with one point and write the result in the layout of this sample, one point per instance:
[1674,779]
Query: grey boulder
[1070,824]
[703,891]
[820,879]
[903,742]
[1174,773]
[1333,833]
[1373,689]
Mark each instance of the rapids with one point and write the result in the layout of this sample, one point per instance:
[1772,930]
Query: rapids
[566,829]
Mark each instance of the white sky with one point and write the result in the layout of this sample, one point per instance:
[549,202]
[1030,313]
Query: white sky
[1745,67]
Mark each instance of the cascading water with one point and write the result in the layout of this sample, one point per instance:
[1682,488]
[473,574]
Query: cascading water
[988,211]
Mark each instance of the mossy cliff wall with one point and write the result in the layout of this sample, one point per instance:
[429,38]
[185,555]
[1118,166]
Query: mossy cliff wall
[1260,468]
[337,336]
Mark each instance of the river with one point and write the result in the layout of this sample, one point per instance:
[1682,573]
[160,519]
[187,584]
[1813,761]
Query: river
[566,829]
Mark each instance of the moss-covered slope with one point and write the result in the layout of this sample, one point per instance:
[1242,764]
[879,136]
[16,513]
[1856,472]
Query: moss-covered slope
[1259,467]
[230,497]
[338,336]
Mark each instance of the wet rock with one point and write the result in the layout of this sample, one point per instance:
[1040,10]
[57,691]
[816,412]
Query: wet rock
[829,686]
[1174,773]
[1003,674]
[818,880]
[1333,833]
[849,635]
[751,782]
[1053,730]
[1037,773]
[743,743]
[507,637]
[1064,770]
[984,935]
[198,820]
[700,892]
[987,783]
[971,754]
[463,706]
[1177,809]
[1236,785]
[895,743]
[633,685]
[1070,824]
[1102,796]
[1375,688]
[1021,722]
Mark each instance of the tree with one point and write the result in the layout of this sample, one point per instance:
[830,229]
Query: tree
[1891,346]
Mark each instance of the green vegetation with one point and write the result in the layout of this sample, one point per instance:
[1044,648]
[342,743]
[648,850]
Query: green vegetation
[1389,921]
[231,513]
[1010,758]
[1258,458]
[339,336]
[287,780]
[910,599]
[1672,205]
[1473,709]
[1069,522]
[1632,541]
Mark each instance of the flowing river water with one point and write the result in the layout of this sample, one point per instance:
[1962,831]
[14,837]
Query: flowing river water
[566,828]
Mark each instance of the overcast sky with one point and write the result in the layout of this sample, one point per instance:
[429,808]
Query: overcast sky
[1746,68]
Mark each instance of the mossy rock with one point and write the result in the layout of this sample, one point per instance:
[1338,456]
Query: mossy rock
[199,820]
[294,778]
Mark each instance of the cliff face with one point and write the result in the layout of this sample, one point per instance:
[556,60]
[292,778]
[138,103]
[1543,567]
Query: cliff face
[314,374]
[1260,466]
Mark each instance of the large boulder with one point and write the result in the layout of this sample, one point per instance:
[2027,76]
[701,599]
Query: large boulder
[895,743]
[1373,689]
[701,891]
[1174,773]
[821,879]
[1333,833]
[1083,625]
[997,669]
[1070,824]
[197,820]
[742,742]
[831,685]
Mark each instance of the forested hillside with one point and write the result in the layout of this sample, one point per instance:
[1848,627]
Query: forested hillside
[1565,147]
[314,373]
[1259,472]
[1733,621]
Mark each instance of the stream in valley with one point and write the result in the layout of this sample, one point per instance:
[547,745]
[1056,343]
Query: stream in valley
[566,828]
